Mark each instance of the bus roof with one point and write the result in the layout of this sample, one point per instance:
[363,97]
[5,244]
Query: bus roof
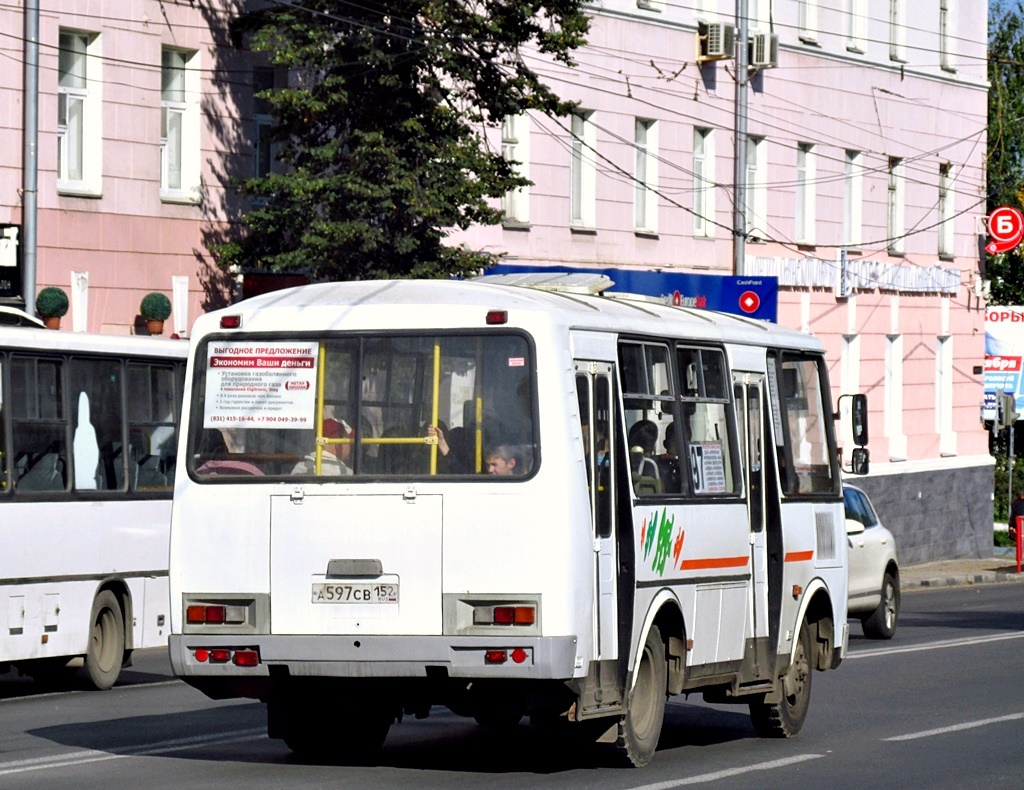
[127,345]
[464,303]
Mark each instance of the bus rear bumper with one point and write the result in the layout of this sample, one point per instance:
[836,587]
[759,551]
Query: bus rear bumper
[536,658]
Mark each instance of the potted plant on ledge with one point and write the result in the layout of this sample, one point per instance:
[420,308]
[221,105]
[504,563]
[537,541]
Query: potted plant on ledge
[155,308]
[51,305]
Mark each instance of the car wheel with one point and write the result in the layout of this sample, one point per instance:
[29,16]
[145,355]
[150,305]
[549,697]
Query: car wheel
[881,623]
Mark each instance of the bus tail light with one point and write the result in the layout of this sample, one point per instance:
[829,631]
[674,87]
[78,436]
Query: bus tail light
[246,657]
[230,321]
[199,614]
[495,656]
[505,615]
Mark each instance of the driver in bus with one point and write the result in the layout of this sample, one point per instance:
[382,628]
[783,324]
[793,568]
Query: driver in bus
[332,462]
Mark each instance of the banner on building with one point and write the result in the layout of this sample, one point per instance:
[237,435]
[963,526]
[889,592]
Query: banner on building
[1004,350]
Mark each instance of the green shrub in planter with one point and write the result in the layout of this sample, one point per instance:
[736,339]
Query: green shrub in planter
[51,303]
[155,307]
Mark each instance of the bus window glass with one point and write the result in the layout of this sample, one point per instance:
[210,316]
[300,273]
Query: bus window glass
[96,423]
[4,484]
[706,417]
[805,448]
[39,435]
[648,404]
[152,435]
[395,405]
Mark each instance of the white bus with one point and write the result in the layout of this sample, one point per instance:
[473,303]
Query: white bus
[88,438]
[508,501]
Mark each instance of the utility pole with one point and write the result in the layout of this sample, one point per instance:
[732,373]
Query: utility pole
[29,160]
[739,170]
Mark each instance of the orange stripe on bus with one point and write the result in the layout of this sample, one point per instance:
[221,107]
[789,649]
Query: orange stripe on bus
[800,556]
[714,562]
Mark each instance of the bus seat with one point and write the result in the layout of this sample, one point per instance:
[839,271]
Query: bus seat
[46,474]
[150,474]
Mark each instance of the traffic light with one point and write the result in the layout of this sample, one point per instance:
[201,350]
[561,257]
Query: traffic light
[1006,410]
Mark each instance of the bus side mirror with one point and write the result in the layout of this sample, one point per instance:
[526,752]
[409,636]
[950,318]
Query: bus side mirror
[858,417]
[859,461]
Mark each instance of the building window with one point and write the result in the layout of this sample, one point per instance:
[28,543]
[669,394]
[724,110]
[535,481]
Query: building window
[946,210]
[79,133]
[805,193]
[897,31]
[946,26]
[583,172]
[893,392]
[856,25]
[515,148]
[759,14]
[179,126]
[809,20]
[645,178]
[853,192]
[703,183]
[944,395]
[756,189]
[895,203]
[265,150]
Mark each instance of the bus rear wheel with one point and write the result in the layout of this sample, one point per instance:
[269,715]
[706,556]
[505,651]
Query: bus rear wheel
[785,718]
[640,728]
[351,733]
[105,654]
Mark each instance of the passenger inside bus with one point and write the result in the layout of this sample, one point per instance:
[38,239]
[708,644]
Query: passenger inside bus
[504,459]
[668,462]
[643,436]
[333,456]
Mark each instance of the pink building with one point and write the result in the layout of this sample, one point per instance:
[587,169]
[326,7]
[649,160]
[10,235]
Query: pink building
[864,189]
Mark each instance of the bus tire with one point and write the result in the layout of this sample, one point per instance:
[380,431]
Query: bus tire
[105,653]
[881,623]
[640,728]
[353,736]
[783,719]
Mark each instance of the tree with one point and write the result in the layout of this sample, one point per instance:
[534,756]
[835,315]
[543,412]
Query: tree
[381,131]
[1005,167]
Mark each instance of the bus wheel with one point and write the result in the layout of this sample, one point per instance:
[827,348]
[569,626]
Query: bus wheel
[106,641]
[783,719]
[353,736]
[640,728]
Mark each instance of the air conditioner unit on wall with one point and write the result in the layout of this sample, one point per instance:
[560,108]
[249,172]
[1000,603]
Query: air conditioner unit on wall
[764,51]
[715,41]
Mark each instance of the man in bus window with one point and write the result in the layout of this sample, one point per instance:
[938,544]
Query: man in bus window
[332,462]
[502,460]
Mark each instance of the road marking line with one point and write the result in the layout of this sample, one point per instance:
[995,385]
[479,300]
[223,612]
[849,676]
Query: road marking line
[144,750]
[978,640]
[970,725]
[729,773]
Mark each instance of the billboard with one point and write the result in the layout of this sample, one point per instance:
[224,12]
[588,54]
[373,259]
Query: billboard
[1004,350]
[753,297]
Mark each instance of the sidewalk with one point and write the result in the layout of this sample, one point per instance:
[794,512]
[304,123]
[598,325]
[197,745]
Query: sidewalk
[1000,568]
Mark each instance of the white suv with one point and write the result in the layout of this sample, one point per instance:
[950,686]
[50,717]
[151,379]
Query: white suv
[874,572]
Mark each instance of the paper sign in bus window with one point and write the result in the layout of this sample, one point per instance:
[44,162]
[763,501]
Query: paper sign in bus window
[707,468]
[260,385]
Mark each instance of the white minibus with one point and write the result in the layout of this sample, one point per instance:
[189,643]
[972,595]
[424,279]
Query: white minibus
[513,497]
[88,438]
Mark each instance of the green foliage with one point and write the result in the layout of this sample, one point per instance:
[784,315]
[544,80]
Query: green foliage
[380,133]
[1005,168]
[155,307]
[1000,503]
[51,302]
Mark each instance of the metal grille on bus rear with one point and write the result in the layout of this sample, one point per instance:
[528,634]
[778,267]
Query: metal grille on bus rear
[826,535]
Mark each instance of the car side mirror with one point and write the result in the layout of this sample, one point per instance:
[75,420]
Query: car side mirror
[853,527]
[860,461]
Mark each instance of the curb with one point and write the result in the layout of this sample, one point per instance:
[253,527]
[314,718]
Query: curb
[989,577]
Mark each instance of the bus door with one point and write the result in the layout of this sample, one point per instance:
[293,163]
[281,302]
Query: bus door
[594,388]
[748,389]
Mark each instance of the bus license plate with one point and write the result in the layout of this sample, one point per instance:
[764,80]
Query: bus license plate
[355,592]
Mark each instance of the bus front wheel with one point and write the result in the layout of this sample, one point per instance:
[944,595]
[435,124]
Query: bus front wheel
[105,653]
[640,728]
[784,718]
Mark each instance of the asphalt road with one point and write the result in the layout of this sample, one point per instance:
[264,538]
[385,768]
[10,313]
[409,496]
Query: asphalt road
[941,705]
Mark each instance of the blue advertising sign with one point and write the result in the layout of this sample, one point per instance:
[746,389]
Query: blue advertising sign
[1004,354]
[754,297]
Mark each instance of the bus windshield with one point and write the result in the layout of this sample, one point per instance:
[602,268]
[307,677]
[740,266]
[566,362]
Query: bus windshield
[364,406]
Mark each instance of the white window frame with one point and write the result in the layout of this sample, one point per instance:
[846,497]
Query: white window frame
[582,171]
[180,174]
[808,21]
[853,198]
[759,15]
[895,200]
[756,209]
[947,24]
[946,206]
[893,392]
[515,148]
[806,193]
[704,183]
[856,25]
[645,176]
[898,31]
[79,115]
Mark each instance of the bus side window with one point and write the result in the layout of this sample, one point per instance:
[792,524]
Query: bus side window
[38,423]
